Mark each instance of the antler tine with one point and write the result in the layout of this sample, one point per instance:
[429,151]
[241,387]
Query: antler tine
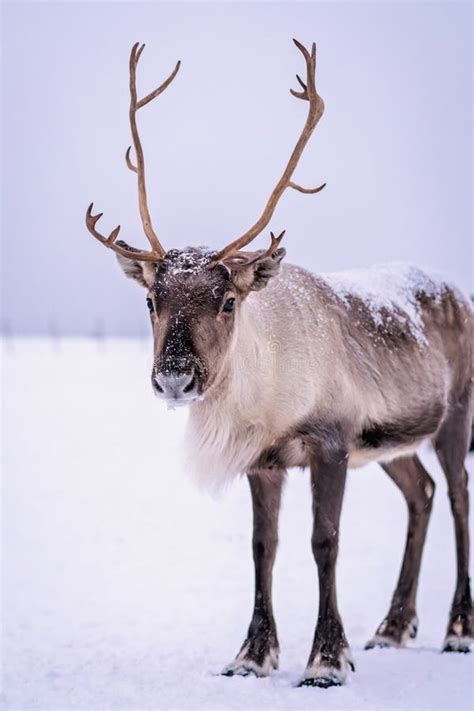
[138,51]
[306,191]
[139,168]
[128,160]
[121,247]
[315,111]
[240,260]
[275,243]
[153,94]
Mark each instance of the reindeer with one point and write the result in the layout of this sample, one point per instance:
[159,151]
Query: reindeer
[283,368]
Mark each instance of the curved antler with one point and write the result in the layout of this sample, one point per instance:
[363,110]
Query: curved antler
[139,169]
[315,111]
[119,247]
[157,251]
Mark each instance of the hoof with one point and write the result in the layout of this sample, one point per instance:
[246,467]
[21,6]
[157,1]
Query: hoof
[462,645]
[389,634]
[322,682]
[322,675]
[378,642]
[244,665]
[237,671]
[460,634]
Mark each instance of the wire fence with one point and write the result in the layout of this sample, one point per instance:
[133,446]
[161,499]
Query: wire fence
[56,337]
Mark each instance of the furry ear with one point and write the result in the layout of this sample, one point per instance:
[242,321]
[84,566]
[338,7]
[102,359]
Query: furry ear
[142,272]
[257,275]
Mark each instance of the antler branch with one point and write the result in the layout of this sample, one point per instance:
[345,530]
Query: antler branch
[139,169]
[240,260]
[120,247]
[157,251]
[315,111]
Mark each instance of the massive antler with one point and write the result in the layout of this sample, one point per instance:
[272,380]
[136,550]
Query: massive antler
[315,111]
[157,251]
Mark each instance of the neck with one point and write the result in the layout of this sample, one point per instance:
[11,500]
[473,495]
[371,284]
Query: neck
[226,431]
[239,379]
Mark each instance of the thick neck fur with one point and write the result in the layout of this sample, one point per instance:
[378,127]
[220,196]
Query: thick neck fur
[270,381]
[230,426]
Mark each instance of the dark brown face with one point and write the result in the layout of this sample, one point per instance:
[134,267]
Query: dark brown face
[193,311]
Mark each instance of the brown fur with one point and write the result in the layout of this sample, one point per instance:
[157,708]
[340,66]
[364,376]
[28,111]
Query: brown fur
[301,375]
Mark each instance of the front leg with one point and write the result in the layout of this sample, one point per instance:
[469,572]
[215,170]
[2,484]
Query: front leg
[259,652]
[330,659]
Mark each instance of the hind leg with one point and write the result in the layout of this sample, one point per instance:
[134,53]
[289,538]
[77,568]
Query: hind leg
[451,443]
[418,488]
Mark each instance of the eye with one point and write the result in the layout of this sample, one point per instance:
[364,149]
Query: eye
[228,305]
[149,303]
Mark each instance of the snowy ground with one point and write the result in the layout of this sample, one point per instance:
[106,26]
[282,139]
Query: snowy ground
[125,587]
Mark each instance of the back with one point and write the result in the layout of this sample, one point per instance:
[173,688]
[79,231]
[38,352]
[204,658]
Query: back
[371,343]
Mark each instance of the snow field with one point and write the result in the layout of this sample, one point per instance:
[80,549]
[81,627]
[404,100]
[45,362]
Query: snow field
[124,587]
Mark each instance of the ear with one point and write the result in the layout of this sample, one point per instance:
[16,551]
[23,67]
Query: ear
[257,275]
[143,272]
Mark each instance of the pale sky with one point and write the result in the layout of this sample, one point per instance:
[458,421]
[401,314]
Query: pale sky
[394,144]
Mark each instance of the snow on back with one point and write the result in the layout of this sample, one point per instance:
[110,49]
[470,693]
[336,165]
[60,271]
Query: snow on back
[389,289]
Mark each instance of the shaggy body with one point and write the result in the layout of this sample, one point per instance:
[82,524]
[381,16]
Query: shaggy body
[293,380]
[325,372]
[341,383]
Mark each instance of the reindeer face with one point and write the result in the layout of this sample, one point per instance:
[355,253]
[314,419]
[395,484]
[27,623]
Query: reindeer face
[193,310]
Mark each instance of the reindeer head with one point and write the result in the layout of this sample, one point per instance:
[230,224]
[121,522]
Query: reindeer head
[194,295]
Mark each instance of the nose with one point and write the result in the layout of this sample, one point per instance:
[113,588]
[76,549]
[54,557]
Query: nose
[176,386]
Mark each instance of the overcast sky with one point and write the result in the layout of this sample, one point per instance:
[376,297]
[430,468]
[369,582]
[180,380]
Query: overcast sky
[394,144]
